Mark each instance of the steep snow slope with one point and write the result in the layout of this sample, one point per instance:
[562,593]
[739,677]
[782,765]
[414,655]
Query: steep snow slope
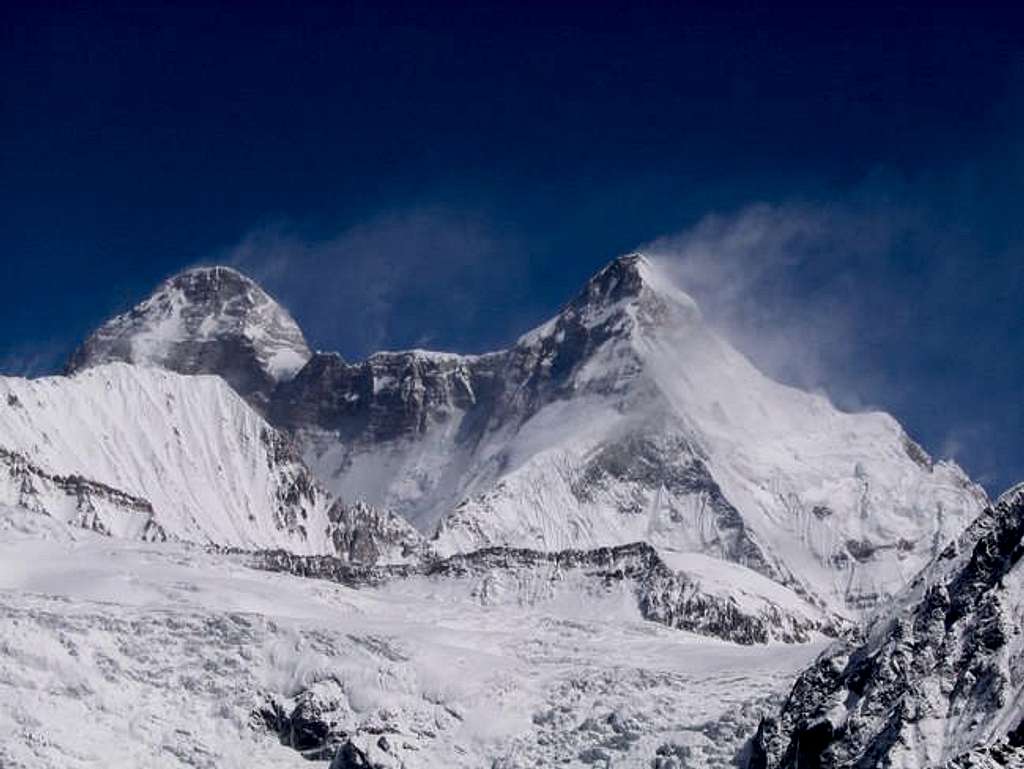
[626,418]
[939,675]
[143,453]
[115,653]
[209,320]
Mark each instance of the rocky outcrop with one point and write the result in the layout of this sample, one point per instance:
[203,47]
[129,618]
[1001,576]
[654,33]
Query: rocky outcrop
[670,597]
[387,397]
[365,535]
[320,723]
[649,462]
[938,678]
[209,320]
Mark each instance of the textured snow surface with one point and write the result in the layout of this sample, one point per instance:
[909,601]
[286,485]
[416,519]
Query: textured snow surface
[122,654]
[139,452]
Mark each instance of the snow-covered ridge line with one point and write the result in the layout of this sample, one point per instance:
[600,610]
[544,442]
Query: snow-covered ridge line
[662,594]
[185,456]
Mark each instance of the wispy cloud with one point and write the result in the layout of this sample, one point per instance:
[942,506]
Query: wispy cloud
[786,284]
[412,278]
[880,299]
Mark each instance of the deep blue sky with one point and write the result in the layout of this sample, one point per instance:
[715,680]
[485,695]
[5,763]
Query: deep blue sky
[446,176]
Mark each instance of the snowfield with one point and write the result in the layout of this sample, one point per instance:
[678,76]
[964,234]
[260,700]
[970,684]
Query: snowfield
[126,654]
[145,453]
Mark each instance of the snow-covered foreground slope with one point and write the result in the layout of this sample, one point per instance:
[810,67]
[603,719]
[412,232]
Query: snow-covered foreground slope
[626,418]
[126,654]
[145,453]
[939,678]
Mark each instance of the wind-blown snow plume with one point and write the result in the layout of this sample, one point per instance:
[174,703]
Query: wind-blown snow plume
[777,280]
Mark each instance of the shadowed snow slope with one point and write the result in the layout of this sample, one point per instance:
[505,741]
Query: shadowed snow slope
[143,453]
[117,653]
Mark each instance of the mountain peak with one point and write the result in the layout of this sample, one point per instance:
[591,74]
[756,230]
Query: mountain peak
[621,278]
[214,273]
[633,279]
[205,320]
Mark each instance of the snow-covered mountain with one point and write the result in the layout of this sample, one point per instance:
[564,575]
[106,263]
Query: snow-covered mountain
[939,678]
[622,419]
[208,320]
[560,553]
[626,418]
[143,453]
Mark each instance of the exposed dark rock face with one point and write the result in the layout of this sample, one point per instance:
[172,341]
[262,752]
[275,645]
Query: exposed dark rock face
[328,567]
[312,724]
[321,725]
[384,398]
[298,490]
[821,512]
[351,757]
[663,595]
[542,366]
[937,677]
[917,453]
[365,535]
[210,320]
[1002,754]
